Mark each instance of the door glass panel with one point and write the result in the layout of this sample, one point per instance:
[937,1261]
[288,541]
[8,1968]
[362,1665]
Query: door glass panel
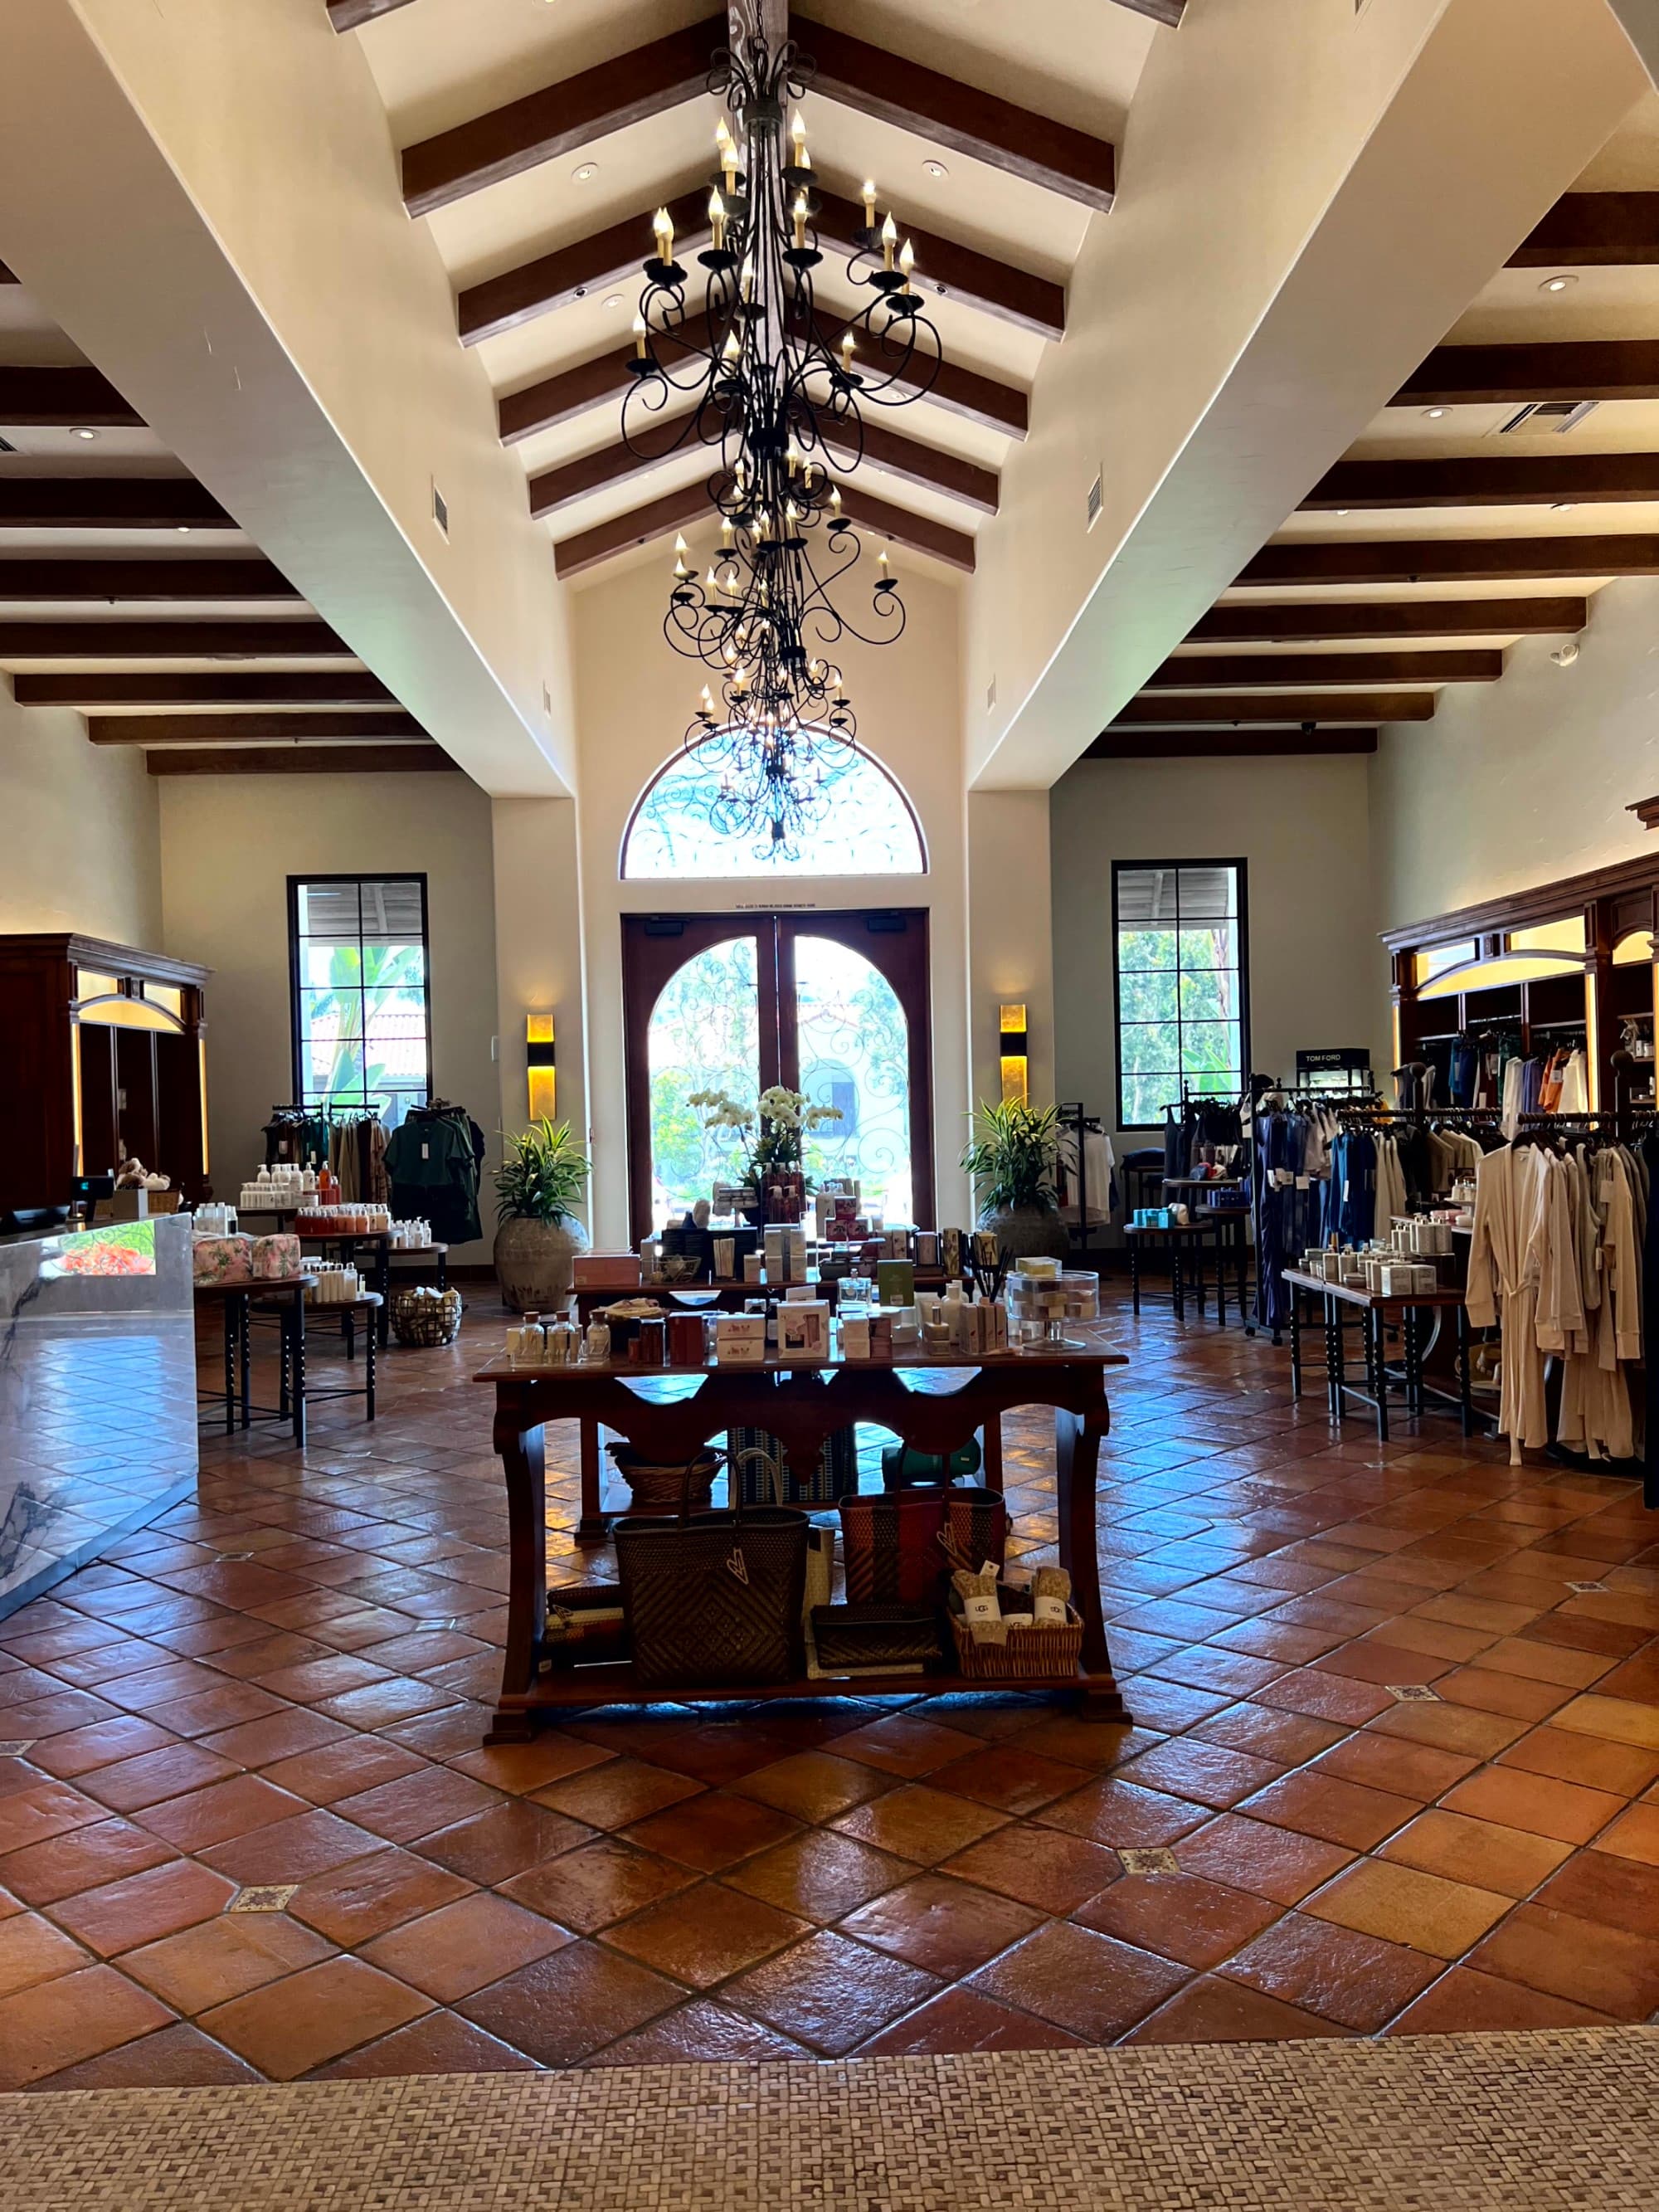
[704,1035]
[854,1046]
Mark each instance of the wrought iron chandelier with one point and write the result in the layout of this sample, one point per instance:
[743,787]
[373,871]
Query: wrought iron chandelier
[777,392]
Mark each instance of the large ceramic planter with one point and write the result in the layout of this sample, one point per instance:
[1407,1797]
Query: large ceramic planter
[1026,1233]
[535,1262]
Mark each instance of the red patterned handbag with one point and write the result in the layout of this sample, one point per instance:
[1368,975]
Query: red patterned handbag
[893,1542]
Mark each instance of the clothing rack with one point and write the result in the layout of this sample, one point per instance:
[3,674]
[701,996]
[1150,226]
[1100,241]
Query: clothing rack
[1073,1118]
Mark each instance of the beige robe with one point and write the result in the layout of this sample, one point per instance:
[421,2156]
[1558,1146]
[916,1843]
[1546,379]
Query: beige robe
[1502,1290]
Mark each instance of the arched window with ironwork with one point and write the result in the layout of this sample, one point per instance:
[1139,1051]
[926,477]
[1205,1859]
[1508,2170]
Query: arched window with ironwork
[695,818]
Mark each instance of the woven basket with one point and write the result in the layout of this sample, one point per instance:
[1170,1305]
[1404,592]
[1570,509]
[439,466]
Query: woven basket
[423,1319]
[659,1489]
[1048,1651]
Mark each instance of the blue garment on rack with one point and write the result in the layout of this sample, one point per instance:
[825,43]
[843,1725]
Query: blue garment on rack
[1352,1215]
[1464,1071]
[1532,1084]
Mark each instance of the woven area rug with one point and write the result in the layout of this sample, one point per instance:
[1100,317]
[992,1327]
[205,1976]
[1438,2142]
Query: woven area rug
[1526,2122]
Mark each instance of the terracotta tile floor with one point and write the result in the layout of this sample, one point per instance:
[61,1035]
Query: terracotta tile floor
[1395,1769]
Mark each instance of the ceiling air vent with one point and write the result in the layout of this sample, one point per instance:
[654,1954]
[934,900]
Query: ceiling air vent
[1094,500]
[6,446]
[1546,418]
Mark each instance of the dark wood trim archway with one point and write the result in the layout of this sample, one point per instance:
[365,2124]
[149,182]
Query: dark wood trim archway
[893,939]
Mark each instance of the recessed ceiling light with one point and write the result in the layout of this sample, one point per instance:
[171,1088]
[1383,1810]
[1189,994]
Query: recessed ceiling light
[613,299]
[1557,283]
[587,173]
[83,433]
[1561,506]
[183,529]
[1344,510]
[935,168]
[1434,414]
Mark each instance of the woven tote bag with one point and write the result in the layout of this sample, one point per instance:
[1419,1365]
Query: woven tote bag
[893,1542]
[715,1598]
[835,1474]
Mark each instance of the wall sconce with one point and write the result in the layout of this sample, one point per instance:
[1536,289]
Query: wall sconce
[539,1058]
[1010,1046]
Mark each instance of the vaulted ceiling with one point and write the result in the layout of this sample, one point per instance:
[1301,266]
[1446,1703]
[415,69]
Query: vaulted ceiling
[536,144]
[1515,474]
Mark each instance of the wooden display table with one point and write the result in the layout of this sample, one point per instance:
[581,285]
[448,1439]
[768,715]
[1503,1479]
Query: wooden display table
[1375,1313]
[933,1407]
[1225,1226]
[236,1299]
[725,1294]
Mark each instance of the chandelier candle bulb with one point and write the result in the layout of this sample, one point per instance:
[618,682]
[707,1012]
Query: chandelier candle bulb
[800,223]
[662,225]
[868,196]
[797,132]
[717,221]
[889,240]
[639,336]
[907,261]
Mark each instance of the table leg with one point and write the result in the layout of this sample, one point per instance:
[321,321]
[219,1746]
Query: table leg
[298,1325]
[372,1348]
[991,1446]
[524,1464]
[1134,1278]
[230,1304]
[1242,1244]
[1077,1459]
[593,1528]
[443,1272]
[381,1318]
[1177,1287]
[284,1367]
[1380,1356]
[1296,1343]
[245,1331]
[1220,1277]
[1335,1359]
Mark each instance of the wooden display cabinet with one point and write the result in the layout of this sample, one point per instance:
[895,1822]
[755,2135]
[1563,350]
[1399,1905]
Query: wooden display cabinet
[1564,964]
[105,1052]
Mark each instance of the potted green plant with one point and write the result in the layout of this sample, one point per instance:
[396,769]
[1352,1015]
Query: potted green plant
[539,1185]
[771,1134]
[1012,1160]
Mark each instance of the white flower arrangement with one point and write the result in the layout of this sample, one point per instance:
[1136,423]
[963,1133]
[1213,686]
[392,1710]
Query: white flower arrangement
[785,1116]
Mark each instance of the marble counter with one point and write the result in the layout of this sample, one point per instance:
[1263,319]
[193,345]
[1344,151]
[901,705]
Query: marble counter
[97,1394]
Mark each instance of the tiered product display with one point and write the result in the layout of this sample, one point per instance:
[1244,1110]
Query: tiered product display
[337,1283]
[345,1220]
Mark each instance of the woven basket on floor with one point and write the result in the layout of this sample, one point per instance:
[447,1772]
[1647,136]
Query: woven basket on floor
[1047,1651]
[423,1317]
[659,1489]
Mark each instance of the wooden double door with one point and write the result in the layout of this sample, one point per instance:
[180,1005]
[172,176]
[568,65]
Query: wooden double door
[836,1005]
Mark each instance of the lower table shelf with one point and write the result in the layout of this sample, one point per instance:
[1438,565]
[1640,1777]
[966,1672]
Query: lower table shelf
[609,1682]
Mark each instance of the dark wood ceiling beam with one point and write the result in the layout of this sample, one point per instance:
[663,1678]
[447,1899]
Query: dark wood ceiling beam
[1501,480]
[1160,11]
[1220,671]
[109,503]
[1118,745]
[348,15]
[7,275]
[248,639]
[682,509]
[613,256]
[560,118]
[1446,559]
[90,689]
[303,760]
[63,400]
[1299,621]
[883,449]
[1506,375]
[181,581]
[1594,230]
[210,729]
[601,382]
[1293,707]
[947,112]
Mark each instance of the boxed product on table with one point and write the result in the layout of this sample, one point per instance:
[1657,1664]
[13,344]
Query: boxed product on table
[606,1270]
[739,1339]
[804,1327]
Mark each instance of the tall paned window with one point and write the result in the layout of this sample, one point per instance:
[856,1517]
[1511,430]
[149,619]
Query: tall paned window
[360,965]
[1183,1014]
